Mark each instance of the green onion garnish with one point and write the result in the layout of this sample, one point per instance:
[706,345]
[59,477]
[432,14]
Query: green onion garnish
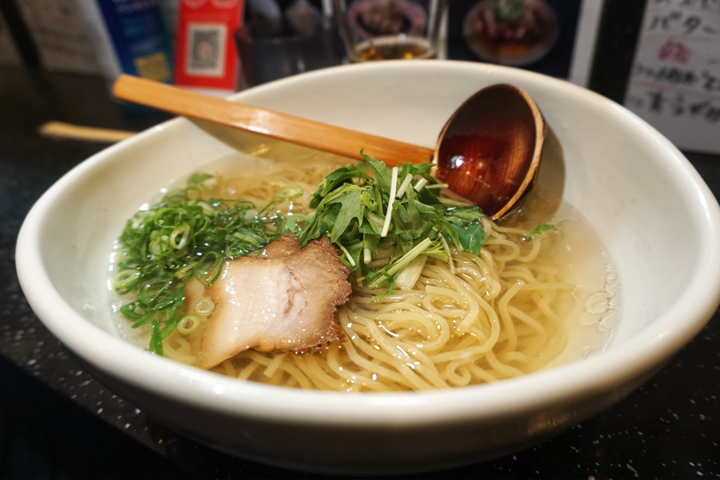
[204,307]
[188,324]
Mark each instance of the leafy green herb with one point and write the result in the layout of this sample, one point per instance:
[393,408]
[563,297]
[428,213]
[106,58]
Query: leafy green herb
[180,237]
[539,230]
[361,213]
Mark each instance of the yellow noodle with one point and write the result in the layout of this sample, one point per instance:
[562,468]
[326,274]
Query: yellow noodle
[229,369]
[179,349]
[497,315]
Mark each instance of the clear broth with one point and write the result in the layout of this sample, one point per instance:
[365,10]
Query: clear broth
[591,315]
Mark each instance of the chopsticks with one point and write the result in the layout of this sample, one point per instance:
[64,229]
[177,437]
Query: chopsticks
[77,132]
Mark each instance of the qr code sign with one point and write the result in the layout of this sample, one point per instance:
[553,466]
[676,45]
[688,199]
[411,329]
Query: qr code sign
[207,44]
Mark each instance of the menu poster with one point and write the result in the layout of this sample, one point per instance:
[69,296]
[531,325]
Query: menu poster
[674,82]
[60,35]
[536,35]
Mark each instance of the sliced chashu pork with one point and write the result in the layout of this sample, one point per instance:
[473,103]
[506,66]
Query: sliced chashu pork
[284,299]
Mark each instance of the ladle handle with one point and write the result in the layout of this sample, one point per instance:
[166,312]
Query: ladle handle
[300,131]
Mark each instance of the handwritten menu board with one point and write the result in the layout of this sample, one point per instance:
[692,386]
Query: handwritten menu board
[674,83]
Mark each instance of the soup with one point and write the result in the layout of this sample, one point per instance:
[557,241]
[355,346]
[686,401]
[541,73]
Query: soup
[541,291]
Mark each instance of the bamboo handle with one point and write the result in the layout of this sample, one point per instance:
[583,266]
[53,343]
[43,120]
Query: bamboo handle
[78,132]
[300,131]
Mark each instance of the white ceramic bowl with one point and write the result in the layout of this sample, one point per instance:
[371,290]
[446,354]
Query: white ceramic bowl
[652,210]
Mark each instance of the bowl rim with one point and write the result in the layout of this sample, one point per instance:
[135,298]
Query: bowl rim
[639,355]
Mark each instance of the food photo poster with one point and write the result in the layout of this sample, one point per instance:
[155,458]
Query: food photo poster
[552,37]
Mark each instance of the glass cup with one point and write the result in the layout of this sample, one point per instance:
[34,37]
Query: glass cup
[390,29]
[269,58]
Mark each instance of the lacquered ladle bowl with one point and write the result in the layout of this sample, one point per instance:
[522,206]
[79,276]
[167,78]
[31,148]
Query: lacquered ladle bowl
[488,152]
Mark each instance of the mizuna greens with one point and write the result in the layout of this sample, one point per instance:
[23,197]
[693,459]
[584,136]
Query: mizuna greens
[363,208]
[397,207]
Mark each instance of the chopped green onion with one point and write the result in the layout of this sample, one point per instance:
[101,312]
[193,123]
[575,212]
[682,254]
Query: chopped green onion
[202,180]
[207,209]
[204,307]
[183,235]
[125,280]
[208,270]
[188,324]
[289,193]
[183,231]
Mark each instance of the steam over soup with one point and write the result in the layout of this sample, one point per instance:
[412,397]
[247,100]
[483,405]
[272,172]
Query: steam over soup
[227,274]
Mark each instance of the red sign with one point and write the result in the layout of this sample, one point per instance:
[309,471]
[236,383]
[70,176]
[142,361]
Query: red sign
[205,52]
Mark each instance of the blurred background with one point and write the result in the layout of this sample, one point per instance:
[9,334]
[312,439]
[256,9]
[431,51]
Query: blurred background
[657,57]
[58,59]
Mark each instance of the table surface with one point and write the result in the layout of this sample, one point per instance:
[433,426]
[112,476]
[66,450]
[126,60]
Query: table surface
[58,421]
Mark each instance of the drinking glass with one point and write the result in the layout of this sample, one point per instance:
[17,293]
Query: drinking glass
[390,29]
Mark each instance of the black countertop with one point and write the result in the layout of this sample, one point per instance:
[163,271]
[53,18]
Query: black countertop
[57,421]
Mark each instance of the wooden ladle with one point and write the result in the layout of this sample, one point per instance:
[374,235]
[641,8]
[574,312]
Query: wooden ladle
[488,152]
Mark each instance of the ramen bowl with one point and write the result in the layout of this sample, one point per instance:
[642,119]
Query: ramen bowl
[657,219]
